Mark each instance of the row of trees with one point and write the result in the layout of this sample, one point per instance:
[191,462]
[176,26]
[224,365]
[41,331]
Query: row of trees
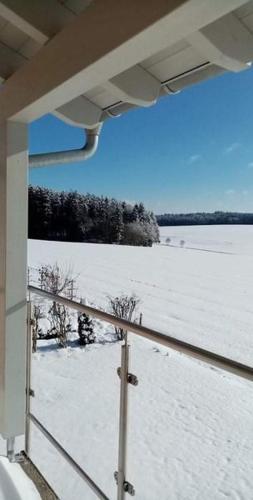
[203,218]
[71,216]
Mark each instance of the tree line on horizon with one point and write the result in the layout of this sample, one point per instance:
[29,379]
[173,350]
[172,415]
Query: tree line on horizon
[71,216]
[204,218]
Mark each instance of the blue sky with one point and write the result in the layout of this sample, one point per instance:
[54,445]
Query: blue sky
[191,151]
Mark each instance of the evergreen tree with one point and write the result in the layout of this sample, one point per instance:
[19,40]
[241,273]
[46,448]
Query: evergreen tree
[70,216]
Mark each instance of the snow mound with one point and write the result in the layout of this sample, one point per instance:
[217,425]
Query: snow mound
[14,484]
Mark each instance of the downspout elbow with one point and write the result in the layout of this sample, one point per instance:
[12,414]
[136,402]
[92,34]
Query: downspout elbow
[73,155]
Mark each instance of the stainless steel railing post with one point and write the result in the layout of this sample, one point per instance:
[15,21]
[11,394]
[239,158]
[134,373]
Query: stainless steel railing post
[10,445]
[123,411]
[28,377]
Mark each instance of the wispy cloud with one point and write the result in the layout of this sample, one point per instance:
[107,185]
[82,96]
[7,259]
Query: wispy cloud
[232,147]
[250,164]
[193,159]
[230,192]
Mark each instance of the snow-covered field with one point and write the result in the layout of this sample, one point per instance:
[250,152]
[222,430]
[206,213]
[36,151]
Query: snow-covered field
[190,426]
[14,483]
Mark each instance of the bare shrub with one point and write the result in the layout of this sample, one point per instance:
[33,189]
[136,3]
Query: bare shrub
[60,323]
[57,281]
[124,307]
[168,241]
[36,330]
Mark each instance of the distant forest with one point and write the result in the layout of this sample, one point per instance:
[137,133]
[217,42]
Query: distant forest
[202,218]
[70,216]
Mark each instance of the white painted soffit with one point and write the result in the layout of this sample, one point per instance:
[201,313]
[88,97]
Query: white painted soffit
[226,44]
[58,80]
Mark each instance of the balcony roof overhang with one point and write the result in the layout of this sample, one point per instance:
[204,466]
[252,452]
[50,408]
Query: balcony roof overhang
[89,60]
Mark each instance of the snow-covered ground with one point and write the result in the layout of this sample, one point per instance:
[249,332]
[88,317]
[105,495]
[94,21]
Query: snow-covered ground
[14,483]
[190,426]
[230,239]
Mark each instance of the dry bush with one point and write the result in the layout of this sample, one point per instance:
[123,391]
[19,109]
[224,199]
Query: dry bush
[123,306]
[36,330]
[54,279]
[60,323]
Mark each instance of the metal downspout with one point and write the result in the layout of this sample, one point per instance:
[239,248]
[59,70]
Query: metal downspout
[73,155]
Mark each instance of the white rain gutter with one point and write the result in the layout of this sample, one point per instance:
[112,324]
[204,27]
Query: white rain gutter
[69,156]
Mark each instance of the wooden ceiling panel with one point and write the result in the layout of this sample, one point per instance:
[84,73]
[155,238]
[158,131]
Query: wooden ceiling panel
[10,61]
[12,36]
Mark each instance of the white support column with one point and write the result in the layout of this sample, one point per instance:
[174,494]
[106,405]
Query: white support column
[13,264]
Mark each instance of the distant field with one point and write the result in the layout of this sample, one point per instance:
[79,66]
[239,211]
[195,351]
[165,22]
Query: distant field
[234,239]
[204,297]
[190,426]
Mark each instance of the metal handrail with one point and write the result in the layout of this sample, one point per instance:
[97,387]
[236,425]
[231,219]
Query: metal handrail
[181,346]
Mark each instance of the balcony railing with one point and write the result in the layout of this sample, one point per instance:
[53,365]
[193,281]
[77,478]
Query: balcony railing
[211,358]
